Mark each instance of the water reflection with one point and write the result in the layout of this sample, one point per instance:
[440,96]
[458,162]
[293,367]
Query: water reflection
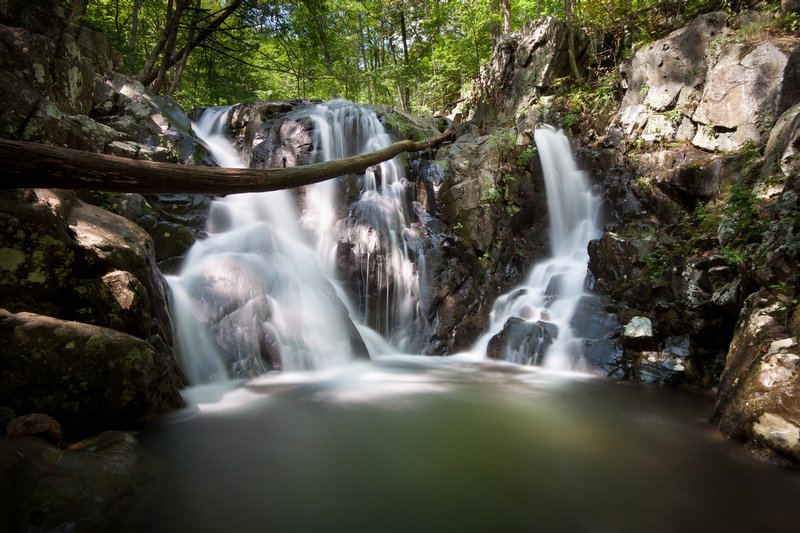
[430,444]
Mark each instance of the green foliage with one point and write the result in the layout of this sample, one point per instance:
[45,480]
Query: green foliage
[418,54]
[791,23]
[587,99]
[524,159]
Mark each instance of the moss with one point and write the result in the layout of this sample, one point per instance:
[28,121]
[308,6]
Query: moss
[10,260]
[37,276]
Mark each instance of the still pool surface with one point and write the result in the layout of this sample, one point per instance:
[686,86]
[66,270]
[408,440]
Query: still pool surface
[417,444]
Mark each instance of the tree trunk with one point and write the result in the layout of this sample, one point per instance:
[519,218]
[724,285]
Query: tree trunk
[169,47]
[31,165]
[176,80]
[148,74]
[506,16]
[133,38]
[573,64]
[406,96]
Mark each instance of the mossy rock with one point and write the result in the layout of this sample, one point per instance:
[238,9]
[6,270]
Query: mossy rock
[86,376]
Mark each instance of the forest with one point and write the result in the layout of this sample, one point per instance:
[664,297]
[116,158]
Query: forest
[421,55]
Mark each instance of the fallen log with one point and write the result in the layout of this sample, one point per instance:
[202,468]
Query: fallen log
[32,165]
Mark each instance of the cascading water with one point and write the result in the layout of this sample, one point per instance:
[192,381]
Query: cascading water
[377,234]
[532,323]
[261,292]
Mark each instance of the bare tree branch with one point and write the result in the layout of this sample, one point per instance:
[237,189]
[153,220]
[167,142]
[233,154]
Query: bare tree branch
[32,165]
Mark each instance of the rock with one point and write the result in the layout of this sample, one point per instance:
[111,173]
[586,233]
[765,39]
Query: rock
[746,90]
[711,284]
[22,101]
[83,488]
[522,342]
[596,323]
[35,425]
[7,414]
[638,334]
[781,153]
[84,375]
[523,65]
[73,261]
[757,402]
[666,75]
[46,17]
[612,259]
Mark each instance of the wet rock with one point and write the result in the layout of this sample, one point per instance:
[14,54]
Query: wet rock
[171,240]
[35,425]
[83,488]
[612,260]
[522,341]
[660,368]
[595,321]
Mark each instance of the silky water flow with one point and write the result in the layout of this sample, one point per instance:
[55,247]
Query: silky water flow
[547,301]
[409,443]
[261,291]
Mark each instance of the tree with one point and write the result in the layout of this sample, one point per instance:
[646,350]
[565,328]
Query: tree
[31,165]
[573,63]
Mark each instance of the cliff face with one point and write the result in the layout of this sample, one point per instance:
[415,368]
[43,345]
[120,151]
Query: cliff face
[85,332]
[703,235]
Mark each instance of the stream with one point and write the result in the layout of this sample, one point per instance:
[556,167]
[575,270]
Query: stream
[406,443]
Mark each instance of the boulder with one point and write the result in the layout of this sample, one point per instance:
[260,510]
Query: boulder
[86,376]
[638,334]
[82,488]
[34,425]
[522,341]
[757,402]
[73,261]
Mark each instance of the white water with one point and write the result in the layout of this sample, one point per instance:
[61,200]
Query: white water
[378,224]
[554,286]
[261,292]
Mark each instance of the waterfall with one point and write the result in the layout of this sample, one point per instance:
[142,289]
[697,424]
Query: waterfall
[375,242]
[264,290]
[532,323]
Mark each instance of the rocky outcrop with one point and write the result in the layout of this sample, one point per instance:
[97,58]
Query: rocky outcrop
[758,402]
[704,86]
[85,487]
[86,333]
[60,88]
[106,282]
[523,67]
[492,206]
[703,234]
